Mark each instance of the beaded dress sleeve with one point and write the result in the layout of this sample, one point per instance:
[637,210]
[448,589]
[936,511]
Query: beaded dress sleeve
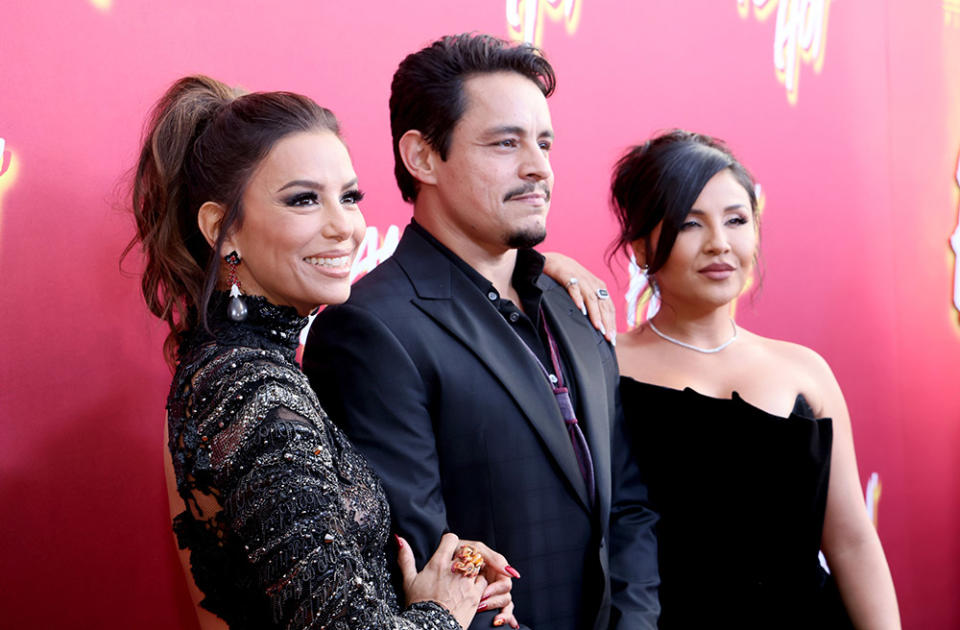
[285,521]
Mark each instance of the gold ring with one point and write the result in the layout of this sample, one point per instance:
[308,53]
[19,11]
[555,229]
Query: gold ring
[468,562]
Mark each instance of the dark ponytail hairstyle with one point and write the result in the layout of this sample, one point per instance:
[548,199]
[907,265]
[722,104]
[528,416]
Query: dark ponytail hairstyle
[660,180]
[203,141]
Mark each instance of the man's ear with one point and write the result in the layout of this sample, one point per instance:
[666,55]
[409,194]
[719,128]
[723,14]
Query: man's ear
[209,218]
[419,157]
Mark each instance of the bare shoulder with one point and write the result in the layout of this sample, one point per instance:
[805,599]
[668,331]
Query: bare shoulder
[802,357]
[813,375]
[636,352]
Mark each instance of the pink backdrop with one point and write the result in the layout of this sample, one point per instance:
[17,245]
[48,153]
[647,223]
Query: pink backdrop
[847,112]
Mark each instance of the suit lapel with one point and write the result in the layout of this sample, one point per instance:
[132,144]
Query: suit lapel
[445,295]
[578,340]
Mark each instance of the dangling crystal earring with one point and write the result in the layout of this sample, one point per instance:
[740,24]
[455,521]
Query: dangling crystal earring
[236,309]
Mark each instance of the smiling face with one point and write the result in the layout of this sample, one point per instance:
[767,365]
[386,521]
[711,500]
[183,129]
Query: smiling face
[494,188]
[715,247]
[301,223]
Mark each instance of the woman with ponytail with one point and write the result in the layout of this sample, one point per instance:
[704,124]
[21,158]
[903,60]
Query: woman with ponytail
[247,214]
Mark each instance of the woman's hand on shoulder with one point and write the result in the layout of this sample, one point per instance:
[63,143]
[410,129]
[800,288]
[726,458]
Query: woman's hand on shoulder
[463,596]
[585,290]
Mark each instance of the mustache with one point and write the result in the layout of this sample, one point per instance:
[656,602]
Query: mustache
[526,189]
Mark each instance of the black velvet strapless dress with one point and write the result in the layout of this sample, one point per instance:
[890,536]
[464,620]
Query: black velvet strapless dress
[742,495]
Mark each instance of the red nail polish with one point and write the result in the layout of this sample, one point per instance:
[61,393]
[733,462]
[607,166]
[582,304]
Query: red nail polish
[399,541]
[482,606]
[512,571]
[498,622]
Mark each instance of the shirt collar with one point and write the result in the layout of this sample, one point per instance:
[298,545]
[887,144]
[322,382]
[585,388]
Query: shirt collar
[526,272]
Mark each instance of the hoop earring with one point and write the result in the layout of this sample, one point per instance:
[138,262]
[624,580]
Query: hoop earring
[236,309]
[651,281]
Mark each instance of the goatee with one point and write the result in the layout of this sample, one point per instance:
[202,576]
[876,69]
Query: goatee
[527,238]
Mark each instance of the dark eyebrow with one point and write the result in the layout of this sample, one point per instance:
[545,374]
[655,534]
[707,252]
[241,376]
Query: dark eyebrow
[515,131]
[736,206]
[306,183]
[309,183]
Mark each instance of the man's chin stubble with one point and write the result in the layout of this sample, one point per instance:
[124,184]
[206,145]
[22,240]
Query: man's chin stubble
[526,238]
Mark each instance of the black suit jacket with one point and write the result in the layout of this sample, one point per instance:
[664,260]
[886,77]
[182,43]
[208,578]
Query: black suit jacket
[439,393]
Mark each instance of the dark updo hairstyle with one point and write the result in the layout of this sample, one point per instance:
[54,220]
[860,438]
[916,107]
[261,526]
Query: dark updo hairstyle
[660,180]
[203,142]
[427,89]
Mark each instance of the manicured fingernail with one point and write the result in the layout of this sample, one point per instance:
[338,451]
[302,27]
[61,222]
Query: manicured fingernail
[482,606]
[603,330]
[515,625]
[399,541]
[583,309]
[512,571]
[498,621]
[613,340]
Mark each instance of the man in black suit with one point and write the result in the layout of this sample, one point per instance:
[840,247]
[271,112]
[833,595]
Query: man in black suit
[469,380]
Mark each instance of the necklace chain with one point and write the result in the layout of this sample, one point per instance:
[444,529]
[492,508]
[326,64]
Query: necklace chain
[693,347]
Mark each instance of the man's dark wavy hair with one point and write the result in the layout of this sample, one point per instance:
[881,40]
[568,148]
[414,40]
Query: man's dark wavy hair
[427,89]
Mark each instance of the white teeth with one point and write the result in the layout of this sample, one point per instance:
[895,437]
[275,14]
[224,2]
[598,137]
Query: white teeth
[339,261]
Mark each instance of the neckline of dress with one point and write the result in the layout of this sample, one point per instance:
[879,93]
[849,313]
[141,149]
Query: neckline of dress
[735,398]
[276,326]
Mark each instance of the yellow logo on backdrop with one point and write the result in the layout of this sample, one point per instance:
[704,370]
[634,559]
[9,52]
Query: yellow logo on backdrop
[525,18]
[955,246]
[5,157]
[800,35]
[8,174]
[951,12]
[872,497]
[103,5]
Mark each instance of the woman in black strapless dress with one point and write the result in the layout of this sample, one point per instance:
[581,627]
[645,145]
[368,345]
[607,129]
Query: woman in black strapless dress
[742,495]
[745,441]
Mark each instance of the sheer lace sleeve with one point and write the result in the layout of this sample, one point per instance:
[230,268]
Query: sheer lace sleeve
[286,522]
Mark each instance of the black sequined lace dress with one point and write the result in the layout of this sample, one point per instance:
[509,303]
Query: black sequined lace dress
[285,522]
